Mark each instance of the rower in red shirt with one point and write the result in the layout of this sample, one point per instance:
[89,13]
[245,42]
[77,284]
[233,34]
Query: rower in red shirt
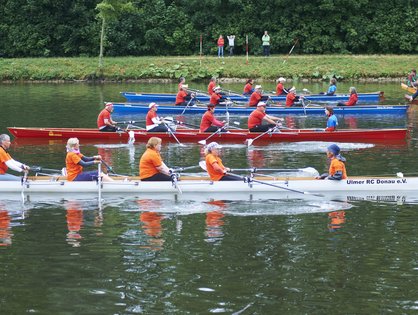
[217,97]
[105,121]
[280,89]
[212,85]
[257,97]
[291,98]
[153,123]
[248,88]
[184,97]
[352,99]
[256,118]
[209,123]
[182,80]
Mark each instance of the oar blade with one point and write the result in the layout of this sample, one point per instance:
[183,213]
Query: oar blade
[249,142]
[202,142]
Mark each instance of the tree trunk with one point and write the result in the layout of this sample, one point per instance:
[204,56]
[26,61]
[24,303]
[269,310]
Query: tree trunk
[102,36]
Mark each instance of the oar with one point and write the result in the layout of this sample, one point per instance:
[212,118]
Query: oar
[187,105]
[38,169]
[250,141]
[110,169]
[182,169]
[202,164]
[310,170]
[302,100]
[203,142]
[172,133]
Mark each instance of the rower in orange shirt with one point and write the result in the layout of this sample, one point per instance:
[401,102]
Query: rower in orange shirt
[337,169]
[256,118]
[291,98]
[153,123]
[257,97]
[211,85]
[352,99]
[248,88]
[209,123]
[105,121]
[216,170]
[6,161]
[280,89]
[184,97]
[151,165]
[75,161]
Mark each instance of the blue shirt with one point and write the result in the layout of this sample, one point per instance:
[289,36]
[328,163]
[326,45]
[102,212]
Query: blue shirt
[332,121]
[332,89]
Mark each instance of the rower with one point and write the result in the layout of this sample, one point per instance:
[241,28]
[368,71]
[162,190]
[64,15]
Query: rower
[292,99]
[280,89]
[104,120]
[182,81]
[216,170]
[352,99]
[217,97]
[211,86]
[337,169]
[151,166]
[257,97]
[75,162]
[6,161]
[332,87]
[153,123]
[332,121]
[248,88]
[255,120]
[209,123]
[183,96]
[412,79]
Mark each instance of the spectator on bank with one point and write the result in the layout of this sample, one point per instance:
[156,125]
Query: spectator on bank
[221,43]
[266,44]
[231,43]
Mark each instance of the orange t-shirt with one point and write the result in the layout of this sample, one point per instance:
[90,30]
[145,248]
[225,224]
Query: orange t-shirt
[4,157]
[290,99]
[210,160]
[247,88]
[104,114]
[335,166]
[210,87]
[255,119]
[71,163]
[181,97]
[254,99]
[149,162]
[279,89]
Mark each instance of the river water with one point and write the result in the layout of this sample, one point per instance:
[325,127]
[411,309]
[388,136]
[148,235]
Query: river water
[144,255]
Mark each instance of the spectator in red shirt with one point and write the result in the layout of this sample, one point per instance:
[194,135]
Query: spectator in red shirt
[221,43]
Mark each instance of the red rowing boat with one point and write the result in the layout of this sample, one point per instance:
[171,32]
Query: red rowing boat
[235,135]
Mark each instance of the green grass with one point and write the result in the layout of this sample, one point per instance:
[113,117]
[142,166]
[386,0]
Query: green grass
[319,67]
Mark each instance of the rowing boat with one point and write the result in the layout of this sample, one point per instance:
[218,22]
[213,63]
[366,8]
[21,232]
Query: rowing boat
[171,98]
[385,136]
[312,109]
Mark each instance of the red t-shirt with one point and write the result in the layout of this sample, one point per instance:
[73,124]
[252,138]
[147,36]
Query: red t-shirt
[247,88]
[104,114]
[181,97]
[279,89]
[352,100]
[208,119]
[255,118]
[210,87]
[254,99]
[290,99]
[150,115]
[221,42]
[214,98]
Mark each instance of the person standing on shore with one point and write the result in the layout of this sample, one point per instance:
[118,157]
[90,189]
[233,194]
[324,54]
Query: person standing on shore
[266,44]
[221,43]
[231,43]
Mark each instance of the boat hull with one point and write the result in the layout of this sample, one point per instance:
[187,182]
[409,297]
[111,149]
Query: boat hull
[385,136]
[171,98]
[132,109]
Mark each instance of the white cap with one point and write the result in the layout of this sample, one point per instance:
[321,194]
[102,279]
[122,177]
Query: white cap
[108,104]
[152,105]
[261,104]
[217,88]
[213,145]
[281,79]
[258,87]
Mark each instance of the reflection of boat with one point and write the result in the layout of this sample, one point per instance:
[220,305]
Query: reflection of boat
[311,109]
[171,98]
[234,135]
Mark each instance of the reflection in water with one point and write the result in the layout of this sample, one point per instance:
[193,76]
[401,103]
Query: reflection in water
[74,222]
[256,158]
[350,122]
[5,229]
[336,220]
[214,221]
[151,222]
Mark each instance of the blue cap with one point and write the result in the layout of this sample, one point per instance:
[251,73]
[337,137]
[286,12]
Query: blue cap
[334,149]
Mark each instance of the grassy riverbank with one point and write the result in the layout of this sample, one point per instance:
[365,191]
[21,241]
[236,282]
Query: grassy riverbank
[313,67]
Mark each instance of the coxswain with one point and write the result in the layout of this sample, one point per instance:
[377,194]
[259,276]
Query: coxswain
[337,169]
[332,121]
[151,165]
[292,99]
[209,123]
[352,100]
[184,97]
[256,118]
[6,161]
[216,170]
[257,97]
[75,162]
[182,81]
[412,79]
[153,123]
[280,89]
[217,97]
[332,88]
[105,121]
[212,85]
[248,88]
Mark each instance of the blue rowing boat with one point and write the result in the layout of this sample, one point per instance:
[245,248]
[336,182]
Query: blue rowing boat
[364,98]
[129,108]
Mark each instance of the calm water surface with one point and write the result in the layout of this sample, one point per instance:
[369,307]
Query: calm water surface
[147,255]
